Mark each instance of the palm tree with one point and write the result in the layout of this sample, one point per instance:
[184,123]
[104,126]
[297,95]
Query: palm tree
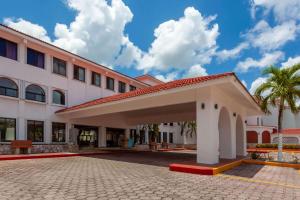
[188,127]
[153,131]
[280,89]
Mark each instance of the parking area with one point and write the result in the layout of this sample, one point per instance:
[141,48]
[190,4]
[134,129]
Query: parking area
[121,176]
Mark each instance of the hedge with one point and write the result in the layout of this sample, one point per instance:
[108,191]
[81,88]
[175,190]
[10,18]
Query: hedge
[275,146]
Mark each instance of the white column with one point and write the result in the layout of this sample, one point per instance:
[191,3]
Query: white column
[147,136]
[259,136]
[245,136]
[207,130]
[47,132]
[102,136]
[21,129]
[233,118]
[127,133]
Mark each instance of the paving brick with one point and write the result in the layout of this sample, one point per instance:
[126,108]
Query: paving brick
[104,178]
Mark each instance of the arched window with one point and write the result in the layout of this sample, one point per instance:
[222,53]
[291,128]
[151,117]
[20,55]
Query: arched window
[8,87]
[58,97]
[35,93]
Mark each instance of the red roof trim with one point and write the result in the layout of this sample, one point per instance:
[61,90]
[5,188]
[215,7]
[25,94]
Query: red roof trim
[290,131]
[148,90]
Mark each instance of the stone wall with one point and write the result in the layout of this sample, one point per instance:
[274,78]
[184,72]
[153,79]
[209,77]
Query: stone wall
[42,148]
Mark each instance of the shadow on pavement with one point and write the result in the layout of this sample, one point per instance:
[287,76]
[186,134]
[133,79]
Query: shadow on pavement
[244,170]
[162,159]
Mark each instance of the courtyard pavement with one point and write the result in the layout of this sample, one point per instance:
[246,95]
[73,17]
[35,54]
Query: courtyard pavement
[107,177]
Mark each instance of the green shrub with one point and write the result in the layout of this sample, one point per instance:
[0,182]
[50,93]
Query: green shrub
[254,156]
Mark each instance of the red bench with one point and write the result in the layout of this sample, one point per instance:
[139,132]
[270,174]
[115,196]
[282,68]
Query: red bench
[17,145]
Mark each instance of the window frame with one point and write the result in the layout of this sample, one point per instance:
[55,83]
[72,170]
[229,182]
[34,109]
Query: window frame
[36,94]
[121,87]
[61,61]
[107,83]
[171,137]
[37,53]
[35,131]
[15,129]
[62,96]
[77,67]
[93,82]
[7,88]
[6,42]
[59,125]
[132,88]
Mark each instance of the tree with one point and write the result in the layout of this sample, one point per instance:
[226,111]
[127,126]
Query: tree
[190,128]
[281,89]
[153,130]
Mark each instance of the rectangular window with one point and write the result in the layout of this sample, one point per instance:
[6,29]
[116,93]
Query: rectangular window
[170,137]
[110,83]
[171,124]
[35,58]
[35,131]
[59,66]
[79,73]
[132,88]
[122,87]
[58,132]
[8,49]
[166,124]
[7,129]
[165,137]
[158,140]
[96,79]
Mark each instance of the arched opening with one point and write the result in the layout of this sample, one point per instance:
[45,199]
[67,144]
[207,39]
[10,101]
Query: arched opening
[252,137]
[35,93]
[239,137]
[58,97]
[225,145]
[266,137]
[8,87]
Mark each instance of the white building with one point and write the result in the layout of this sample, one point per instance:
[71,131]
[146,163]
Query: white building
[263,128]
[57,100]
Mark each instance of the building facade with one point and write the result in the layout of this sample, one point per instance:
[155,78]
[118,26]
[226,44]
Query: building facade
[263,128]
[38,79]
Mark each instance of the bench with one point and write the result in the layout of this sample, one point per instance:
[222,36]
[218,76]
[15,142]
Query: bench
[17,145]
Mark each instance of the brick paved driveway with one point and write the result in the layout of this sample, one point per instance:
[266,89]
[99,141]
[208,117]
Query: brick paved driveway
[98,178]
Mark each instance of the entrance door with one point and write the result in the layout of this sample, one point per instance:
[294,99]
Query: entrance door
[88,136]
[114,137]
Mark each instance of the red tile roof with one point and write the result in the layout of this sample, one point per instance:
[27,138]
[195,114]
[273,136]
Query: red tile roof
[148,90]
[290,131]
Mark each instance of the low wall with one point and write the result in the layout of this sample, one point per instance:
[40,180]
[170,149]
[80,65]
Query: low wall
[42,148]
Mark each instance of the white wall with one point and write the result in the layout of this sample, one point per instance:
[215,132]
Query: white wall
[76,92]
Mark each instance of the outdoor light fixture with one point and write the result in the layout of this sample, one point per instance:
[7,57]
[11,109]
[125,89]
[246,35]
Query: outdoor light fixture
[203,106]
[234,114]
[216,106]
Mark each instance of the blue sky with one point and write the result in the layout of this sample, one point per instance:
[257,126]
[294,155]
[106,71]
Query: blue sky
[169,39]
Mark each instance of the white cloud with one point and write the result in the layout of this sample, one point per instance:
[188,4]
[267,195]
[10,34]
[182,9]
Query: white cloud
[182,43]
[270,38]
[267,60]
[256,83]
[291,61]
[282,9]
[232,53]
[29,28]
[168,77]
[195,71]
[97,32]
